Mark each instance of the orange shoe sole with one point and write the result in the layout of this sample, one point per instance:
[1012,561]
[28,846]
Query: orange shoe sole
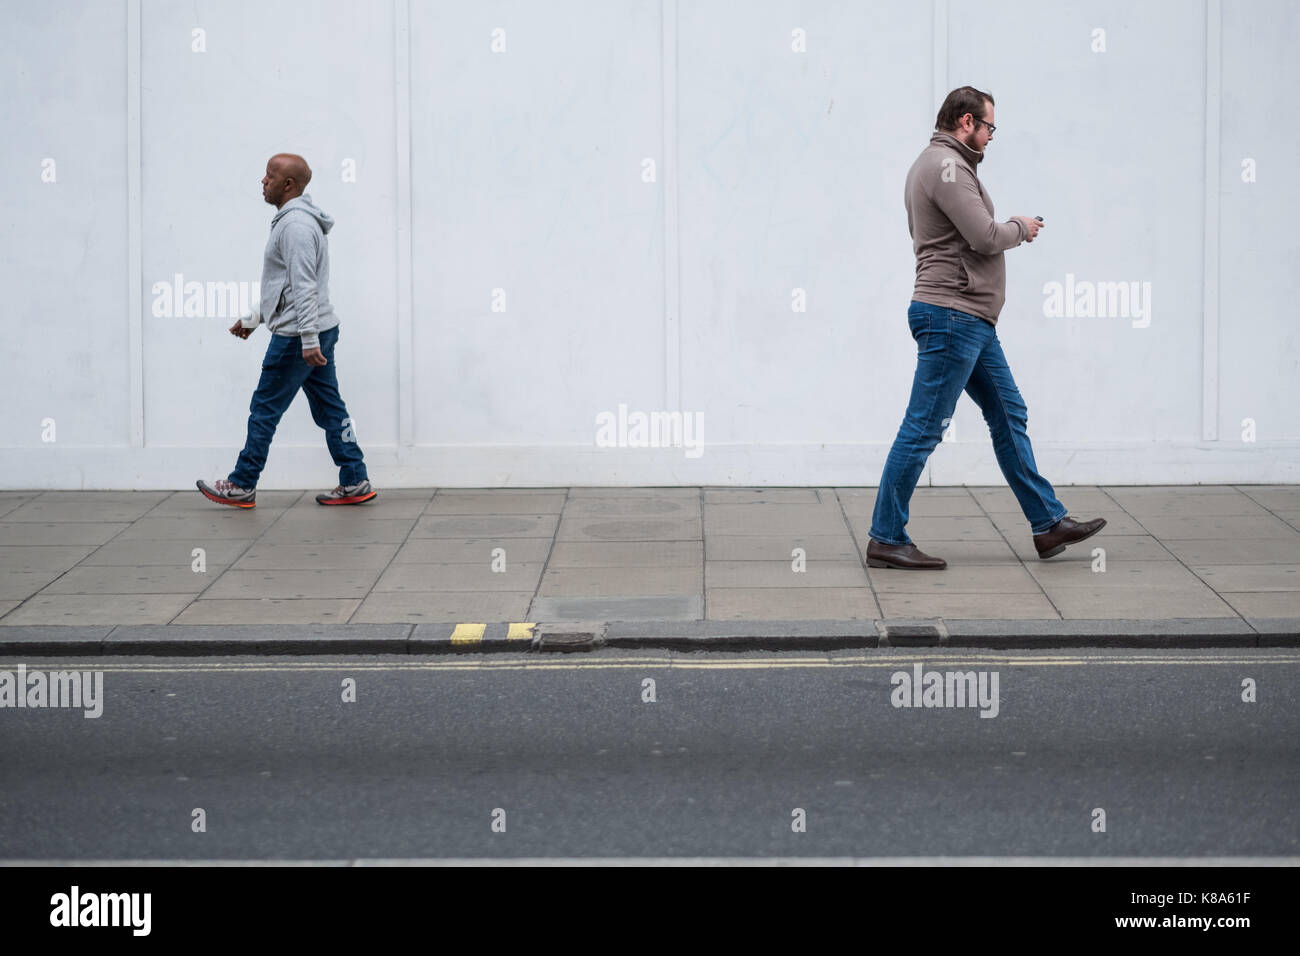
[354,500]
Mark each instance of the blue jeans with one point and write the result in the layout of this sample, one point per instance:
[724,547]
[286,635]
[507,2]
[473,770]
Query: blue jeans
[283,373]
[956,351]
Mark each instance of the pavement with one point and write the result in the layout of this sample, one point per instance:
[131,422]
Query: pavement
[425,570]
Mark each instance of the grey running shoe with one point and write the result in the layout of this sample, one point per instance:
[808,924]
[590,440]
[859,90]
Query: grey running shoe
[223,492]
[349,495]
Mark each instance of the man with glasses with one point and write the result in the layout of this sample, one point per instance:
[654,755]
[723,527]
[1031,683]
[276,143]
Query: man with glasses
[960,288]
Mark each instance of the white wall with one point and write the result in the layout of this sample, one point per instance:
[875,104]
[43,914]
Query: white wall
[523,170]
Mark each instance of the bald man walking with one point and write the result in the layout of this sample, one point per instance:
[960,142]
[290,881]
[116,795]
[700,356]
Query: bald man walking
[296,308]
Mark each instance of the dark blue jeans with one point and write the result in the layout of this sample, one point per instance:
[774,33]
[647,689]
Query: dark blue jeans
[956,351]
[283,373]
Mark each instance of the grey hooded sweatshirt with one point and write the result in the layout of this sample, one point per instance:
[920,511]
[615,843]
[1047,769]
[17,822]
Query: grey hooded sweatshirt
[296,274]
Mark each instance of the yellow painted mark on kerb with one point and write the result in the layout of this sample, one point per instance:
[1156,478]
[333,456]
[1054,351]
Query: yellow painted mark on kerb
[468,633]
[520,632]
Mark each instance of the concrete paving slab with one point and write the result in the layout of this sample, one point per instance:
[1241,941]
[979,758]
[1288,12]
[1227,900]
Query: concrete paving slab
[1197,506]
[1223,527]
[593,507]
[518,576]
[486,526]
[848,604]
[1290,517]
[962,579]
[1273,497]
[86,506]
[1122,493]
[779,547]
[46,533]
[20,585]
[296,583]
[355,531]
[504,492]
[418,607]
[623,580]
[12,500]
[7,605]
[317,556]
[773,520]
[166,553]
[471,550]
[749,496]
[1250,577]
[685,528]
[1193,551]
[579,491]
[140,579]
[1137,603]
[1252,603]
[96,609]
[1003,606]
[227,523]
[492,504]
[1053,574]
[35,557]
[599,554]
[781,574]
[632,608]
[267,611]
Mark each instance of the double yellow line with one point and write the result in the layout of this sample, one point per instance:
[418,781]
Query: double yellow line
[472,633]
[674,661]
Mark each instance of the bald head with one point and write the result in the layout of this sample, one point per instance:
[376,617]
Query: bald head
[287,175]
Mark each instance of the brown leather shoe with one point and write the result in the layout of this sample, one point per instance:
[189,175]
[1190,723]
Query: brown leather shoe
[1066,531]
[903,556]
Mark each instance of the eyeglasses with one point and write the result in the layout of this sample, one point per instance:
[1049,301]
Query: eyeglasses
[986,123]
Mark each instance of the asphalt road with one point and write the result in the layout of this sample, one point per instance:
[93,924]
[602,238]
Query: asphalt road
[561,756]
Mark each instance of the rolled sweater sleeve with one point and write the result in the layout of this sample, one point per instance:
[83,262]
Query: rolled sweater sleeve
[301,253]
[962,203]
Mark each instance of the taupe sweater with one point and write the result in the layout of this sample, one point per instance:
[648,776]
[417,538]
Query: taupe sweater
[958,245]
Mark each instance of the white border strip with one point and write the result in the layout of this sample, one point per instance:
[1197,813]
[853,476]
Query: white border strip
[403,258]
[1210,249]
[134,235]
[939,56]
[668,179]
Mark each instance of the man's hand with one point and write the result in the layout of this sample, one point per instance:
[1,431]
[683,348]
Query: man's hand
[313,357]
[238,329]
[1032,224]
